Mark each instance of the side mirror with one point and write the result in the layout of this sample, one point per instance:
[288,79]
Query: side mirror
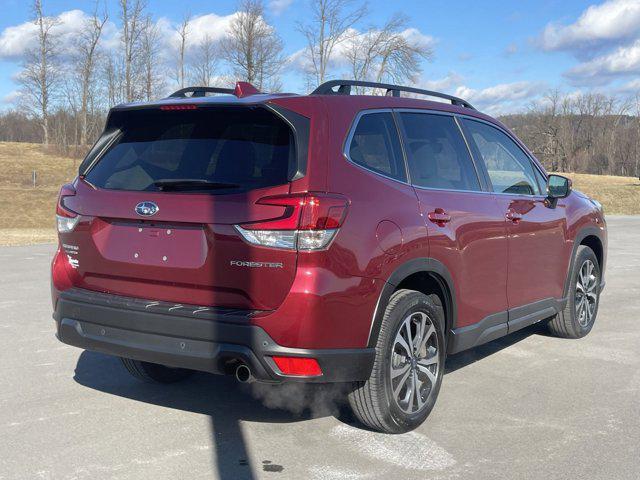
[558,186]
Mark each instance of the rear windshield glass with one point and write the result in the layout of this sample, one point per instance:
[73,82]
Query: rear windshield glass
[219,150]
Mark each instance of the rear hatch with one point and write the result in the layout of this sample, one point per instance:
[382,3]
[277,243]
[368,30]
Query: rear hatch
[159,197]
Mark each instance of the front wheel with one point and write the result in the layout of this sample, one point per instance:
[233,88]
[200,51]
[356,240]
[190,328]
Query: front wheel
[579,315]
[408,368]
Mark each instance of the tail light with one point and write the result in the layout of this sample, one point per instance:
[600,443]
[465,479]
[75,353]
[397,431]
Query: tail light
[309,222]
[65,217]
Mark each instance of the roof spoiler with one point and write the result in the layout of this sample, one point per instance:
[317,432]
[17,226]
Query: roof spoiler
[242,89]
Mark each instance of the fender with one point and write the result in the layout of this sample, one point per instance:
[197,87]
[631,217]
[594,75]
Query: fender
[580,236]
[417,265]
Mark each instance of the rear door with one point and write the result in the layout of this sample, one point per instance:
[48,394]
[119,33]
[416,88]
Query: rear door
[537,232]
[198,172]
[465,226]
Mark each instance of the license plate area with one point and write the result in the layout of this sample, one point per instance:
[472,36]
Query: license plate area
[153,244]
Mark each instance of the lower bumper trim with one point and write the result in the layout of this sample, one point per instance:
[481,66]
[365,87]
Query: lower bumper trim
[198,344]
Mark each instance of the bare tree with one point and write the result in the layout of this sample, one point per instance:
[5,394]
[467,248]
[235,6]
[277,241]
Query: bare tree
[252,47]
[84,66]
[590,132]
[153,81]
[38,77]
[205,62]
[331,24]
[132,17]
[183,32]
[113,78]
[386,54]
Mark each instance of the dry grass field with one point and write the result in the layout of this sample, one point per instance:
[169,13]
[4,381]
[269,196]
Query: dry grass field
[618,195]
[26,215]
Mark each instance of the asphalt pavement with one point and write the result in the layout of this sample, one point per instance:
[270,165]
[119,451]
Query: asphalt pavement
[528,406]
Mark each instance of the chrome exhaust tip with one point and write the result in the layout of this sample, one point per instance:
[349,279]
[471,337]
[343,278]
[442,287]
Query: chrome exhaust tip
[243,374]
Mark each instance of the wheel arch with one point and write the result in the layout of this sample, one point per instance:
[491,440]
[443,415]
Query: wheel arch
[592,238]
[426,275]
[595,244]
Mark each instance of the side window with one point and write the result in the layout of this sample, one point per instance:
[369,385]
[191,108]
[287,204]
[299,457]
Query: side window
[375,145]
[437,154]
[509,168]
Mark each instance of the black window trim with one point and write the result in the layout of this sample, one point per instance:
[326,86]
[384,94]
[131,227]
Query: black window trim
[481,171]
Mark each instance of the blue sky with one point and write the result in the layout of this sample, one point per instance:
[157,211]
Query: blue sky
[501,55]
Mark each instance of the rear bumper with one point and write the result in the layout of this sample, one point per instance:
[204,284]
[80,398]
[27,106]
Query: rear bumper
[210,340]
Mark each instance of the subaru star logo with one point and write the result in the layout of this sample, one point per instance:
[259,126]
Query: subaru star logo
[147,209]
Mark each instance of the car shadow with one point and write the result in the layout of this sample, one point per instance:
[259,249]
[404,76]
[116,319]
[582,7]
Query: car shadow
[228,403]
[225,401]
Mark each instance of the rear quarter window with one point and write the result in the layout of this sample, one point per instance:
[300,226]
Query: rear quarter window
[375,145]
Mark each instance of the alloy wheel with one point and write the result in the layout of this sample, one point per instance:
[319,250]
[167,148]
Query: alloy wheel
[586,293]
[415,362]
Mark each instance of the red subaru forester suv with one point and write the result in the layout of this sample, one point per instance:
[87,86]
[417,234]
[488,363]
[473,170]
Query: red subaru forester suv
[332,237]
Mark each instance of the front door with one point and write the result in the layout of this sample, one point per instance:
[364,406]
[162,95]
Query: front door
[536,229]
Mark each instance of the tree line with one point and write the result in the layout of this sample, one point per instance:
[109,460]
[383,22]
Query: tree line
[65,95]
[587,132]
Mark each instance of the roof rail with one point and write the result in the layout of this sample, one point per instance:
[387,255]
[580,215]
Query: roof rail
[344,88]
[199,92]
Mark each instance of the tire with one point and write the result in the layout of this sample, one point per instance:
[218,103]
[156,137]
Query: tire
[576,320]
[374,402]
[154,373]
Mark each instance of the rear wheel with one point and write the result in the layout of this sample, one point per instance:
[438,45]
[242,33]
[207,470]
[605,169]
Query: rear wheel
[408,368]
[154,373]
[579,315]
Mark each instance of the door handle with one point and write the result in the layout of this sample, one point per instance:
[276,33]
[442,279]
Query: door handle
[514,216]
[439,217]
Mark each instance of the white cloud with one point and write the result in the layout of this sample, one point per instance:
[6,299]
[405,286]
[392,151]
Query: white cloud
[632,87]
[12,97]
[445,84]
[211,25]
[418,39]
[624,60]
[502,98]
[599,25]
[16,40]
[279,6]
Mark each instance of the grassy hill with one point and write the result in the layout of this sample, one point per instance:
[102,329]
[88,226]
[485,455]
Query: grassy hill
[27,213]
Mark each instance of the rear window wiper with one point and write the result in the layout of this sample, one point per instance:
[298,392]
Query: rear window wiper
[192,184]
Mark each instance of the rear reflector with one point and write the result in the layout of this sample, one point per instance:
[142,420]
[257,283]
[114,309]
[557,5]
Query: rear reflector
[309,222]
[304,367]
